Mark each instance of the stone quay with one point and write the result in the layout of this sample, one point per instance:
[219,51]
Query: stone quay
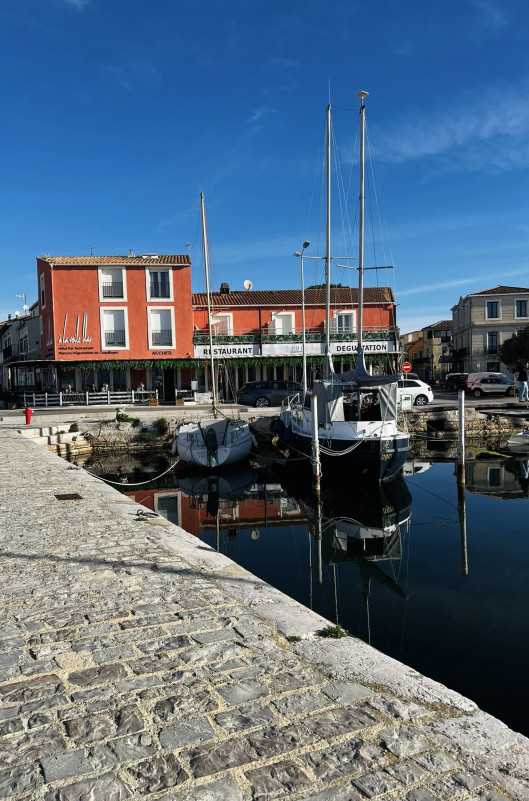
[138,663]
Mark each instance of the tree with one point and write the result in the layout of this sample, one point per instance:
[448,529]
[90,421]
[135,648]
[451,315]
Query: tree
[515,351]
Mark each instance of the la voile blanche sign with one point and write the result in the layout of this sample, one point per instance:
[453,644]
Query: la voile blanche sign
[234,351]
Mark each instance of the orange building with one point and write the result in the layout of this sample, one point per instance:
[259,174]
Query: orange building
[117,321]
[127,322]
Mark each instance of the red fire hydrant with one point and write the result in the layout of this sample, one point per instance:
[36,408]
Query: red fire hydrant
[28,412]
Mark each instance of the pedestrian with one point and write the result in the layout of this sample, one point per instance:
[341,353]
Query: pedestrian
[523,388]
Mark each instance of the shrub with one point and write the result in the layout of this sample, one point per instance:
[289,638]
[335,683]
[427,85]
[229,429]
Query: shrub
[162,424]
[334,632]
[74,427]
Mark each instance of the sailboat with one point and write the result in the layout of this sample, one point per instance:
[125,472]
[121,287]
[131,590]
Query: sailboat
[356,416]
[221,440]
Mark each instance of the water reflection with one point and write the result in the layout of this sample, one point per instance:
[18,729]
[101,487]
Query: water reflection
[438,582]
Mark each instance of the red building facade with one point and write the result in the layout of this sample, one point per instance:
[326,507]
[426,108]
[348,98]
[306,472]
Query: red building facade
[124,322]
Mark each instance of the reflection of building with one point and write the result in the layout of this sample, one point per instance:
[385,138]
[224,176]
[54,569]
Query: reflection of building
[482,322]
[506,478]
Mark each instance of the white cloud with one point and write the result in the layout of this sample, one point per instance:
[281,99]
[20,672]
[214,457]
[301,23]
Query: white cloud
[490,22]
[80,4]
[261,112]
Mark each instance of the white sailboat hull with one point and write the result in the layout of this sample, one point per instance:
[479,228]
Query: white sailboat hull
[214,443]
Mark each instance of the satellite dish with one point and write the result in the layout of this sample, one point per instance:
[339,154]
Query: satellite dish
[25,307]
[247,284]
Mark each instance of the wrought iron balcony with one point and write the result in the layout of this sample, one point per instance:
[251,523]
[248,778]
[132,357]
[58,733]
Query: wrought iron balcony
[161,338]
[112,289]
[311,335]
[160,290]
[116,338]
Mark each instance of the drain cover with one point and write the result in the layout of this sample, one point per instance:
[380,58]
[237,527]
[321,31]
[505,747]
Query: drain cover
[70,496]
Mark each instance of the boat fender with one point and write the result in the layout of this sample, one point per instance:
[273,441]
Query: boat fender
[254,441]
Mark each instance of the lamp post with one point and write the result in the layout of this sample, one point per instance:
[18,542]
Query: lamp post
[304,357]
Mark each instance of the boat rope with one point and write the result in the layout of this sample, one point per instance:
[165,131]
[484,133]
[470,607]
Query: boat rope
[135,483]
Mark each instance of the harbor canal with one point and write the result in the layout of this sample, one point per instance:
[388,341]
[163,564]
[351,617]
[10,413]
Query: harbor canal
[435,581]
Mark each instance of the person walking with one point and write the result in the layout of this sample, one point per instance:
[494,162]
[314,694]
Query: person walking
[523,388]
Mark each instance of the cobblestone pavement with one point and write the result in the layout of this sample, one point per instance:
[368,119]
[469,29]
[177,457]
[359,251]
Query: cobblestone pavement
[135,662]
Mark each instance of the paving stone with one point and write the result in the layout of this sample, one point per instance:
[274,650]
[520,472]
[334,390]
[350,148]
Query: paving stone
[166,644]
[301,703]
[118,654]
[225,789]
[97,675]
[277,740]
[64,766]
[35,668]
[248,717]
[375,784]
[214,636]
[153,664]
[344,692]
[9,665]
[54,702]
[403,742]
[456,785]
[347,793]
[121,750]
[487,795]
[343,720]
[30,689]
[107,787]
[135,685]
[40,719]
[186,733]
[97,694]
[16,781]
[436,762]
[8,713]
[90,728]
[350,758]
[277,780]
[31,745]
[215,757]
[10,726]
[183,701]
[407,772]
[295,679]
[241,692]
[422,794]
[159,773]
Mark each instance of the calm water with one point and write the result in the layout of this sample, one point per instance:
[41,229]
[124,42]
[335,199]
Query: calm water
[440,584]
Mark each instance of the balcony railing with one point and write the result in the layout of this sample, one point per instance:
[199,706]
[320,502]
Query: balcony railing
[116,338]
[160,290]
[112,289]
[161,338]
[311,335]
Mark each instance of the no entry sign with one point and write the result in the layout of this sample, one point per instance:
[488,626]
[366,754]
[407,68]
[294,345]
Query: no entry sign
[406,367]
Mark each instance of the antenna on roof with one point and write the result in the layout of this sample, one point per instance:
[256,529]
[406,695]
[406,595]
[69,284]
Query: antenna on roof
[247,285]
[91,249]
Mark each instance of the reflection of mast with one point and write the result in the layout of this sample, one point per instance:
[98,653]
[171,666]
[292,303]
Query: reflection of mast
[460,469]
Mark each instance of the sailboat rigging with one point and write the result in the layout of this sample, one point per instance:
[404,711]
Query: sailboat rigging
[357,413]
[222,440]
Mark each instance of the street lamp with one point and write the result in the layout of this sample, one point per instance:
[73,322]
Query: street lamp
[304,358]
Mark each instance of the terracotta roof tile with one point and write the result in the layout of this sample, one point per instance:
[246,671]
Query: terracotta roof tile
[129,261]
[502,290]
[342,296]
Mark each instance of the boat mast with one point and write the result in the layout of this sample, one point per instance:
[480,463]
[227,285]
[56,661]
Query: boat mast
[205,251]
[328,360]
[361,95]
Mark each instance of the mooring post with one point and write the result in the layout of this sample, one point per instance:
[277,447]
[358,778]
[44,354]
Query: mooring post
[316,464]
[461,500]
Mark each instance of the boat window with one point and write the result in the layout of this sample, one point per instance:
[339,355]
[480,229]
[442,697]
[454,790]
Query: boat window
[362,405]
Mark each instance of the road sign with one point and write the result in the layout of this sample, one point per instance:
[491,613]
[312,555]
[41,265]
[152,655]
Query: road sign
[406,367]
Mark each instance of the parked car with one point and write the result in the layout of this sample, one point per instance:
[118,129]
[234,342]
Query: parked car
[421,393]
[453,381]
[409,375]
[267,393]
[492,384]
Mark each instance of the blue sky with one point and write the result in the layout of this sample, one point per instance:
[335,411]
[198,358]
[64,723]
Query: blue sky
[117,113]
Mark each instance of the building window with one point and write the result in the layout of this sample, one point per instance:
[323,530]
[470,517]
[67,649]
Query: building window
[159,285]
[493,367]
[282,323]
[42,292]
[222,324]
[521,308]
[493,310]
[430,334]
[113,329]
[161,328]
[343,322]
[492,342]
[112,284]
